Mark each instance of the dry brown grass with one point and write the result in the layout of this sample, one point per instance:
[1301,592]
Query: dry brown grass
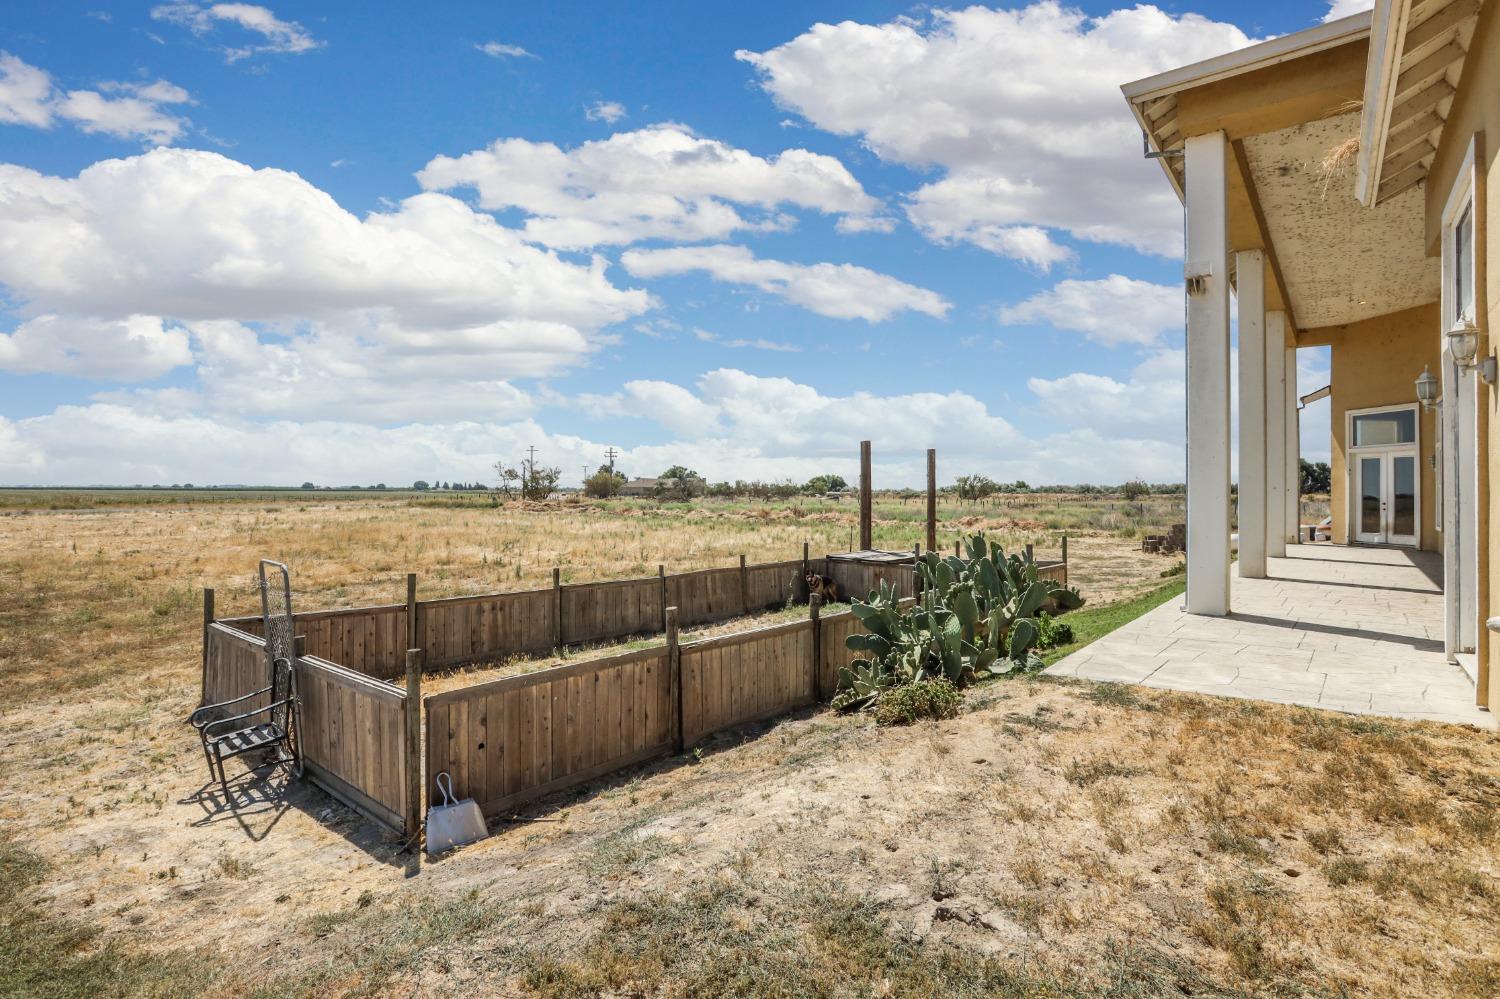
[1083,838]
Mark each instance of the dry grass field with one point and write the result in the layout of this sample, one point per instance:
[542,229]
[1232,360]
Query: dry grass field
[1057,839]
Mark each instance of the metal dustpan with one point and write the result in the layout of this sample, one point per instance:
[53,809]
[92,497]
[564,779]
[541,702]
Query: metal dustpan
[454,822]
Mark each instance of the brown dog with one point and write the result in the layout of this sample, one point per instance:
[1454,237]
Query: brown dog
[824,586]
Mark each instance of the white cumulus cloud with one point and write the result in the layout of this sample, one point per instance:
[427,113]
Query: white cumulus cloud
[659,182]
[608,112]
[1020,109]
[1113,310]
[427,291]
[274,34]
[839,291]
[28,96]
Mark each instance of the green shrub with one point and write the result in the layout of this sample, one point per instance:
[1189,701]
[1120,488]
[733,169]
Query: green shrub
[904,705]
[1051,632]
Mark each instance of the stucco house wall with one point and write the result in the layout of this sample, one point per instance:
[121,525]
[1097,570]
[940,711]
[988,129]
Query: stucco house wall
[1376,363]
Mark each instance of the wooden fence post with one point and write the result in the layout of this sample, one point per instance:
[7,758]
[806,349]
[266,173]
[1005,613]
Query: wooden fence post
[661,575]
[1030,552]
[413,634]
[806,568]
[1065,560]
[931,498]
[208,619]
[413,743]
[815,607]
[744,589]
[674,670]
[557,624]
[865,497]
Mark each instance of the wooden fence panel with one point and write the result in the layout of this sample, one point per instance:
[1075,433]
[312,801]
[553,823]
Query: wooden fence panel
[521,737]
[774,584]
[740,678]
[614,609]
[832,630]
[859,581]
[353,731]
[704,595]
[1055,571]
[235,666]
[466,629]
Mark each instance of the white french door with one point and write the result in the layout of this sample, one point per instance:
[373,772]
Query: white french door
[1384,491]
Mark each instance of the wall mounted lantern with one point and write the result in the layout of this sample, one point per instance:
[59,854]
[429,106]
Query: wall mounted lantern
[1427,389]
[1463,345]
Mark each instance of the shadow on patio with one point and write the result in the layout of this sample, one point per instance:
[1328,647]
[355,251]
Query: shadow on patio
[1348,629]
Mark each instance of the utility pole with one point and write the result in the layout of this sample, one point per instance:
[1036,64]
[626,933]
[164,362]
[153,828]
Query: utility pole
[611,453]
[585,474]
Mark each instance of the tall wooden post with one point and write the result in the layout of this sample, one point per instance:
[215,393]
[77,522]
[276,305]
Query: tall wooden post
[661,586]
[557,628]
[744,588]
[1065,560]
[806,568]
[674,671]
[815,607]
[931,498]
[1030,552]
[413,823]
[413,633]
[865,512]
[208,619]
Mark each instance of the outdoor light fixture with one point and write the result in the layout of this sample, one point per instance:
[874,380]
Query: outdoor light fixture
[1427,389]
[1463,345]
[1463,342]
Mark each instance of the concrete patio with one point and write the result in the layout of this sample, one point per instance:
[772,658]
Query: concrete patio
[1347,629]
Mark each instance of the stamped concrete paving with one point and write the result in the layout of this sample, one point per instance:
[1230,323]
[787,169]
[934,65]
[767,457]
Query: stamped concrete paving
[1348,629]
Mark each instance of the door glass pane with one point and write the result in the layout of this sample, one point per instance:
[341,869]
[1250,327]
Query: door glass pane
[1404,496]
[1369,495]
[1463,265]
[1381,429]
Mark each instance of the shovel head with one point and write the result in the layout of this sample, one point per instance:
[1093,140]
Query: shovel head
[454,825]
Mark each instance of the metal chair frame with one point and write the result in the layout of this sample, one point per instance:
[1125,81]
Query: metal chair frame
[227,737]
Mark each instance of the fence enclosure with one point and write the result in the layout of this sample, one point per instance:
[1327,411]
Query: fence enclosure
[454,631]
[518,738]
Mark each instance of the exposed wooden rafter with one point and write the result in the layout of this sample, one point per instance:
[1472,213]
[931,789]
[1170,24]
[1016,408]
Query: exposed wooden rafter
[1433,43]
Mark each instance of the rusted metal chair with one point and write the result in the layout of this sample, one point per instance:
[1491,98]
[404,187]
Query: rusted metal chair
[227,732]
[265,729]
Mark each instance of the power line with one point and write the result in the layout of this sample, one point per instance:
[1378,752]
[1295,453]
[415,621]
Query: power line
[611,453]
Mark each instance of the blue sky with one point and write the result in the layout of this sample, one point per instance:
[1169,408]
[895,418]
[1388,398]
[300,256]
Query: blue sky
[362,242]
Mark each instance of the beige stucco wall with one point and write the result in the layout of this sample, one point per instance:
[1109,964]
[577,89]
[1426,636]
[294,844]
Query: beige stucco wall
[1376,362]
[1476,115]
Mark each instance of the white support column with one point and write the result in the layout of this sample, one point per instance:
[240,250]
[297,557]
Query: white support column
[1250,297]
[1276,434]
[1207,275]
[1293,452]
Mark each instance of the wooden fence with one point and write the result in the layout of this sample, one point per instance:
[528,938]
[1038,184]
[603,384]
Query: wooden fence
[518,738]
[351,727]
[353,733]
[453,631]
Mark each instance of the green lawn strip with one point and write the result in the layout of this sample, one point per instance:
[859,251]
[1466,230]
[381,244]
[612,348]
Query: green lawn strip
[1093,623]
